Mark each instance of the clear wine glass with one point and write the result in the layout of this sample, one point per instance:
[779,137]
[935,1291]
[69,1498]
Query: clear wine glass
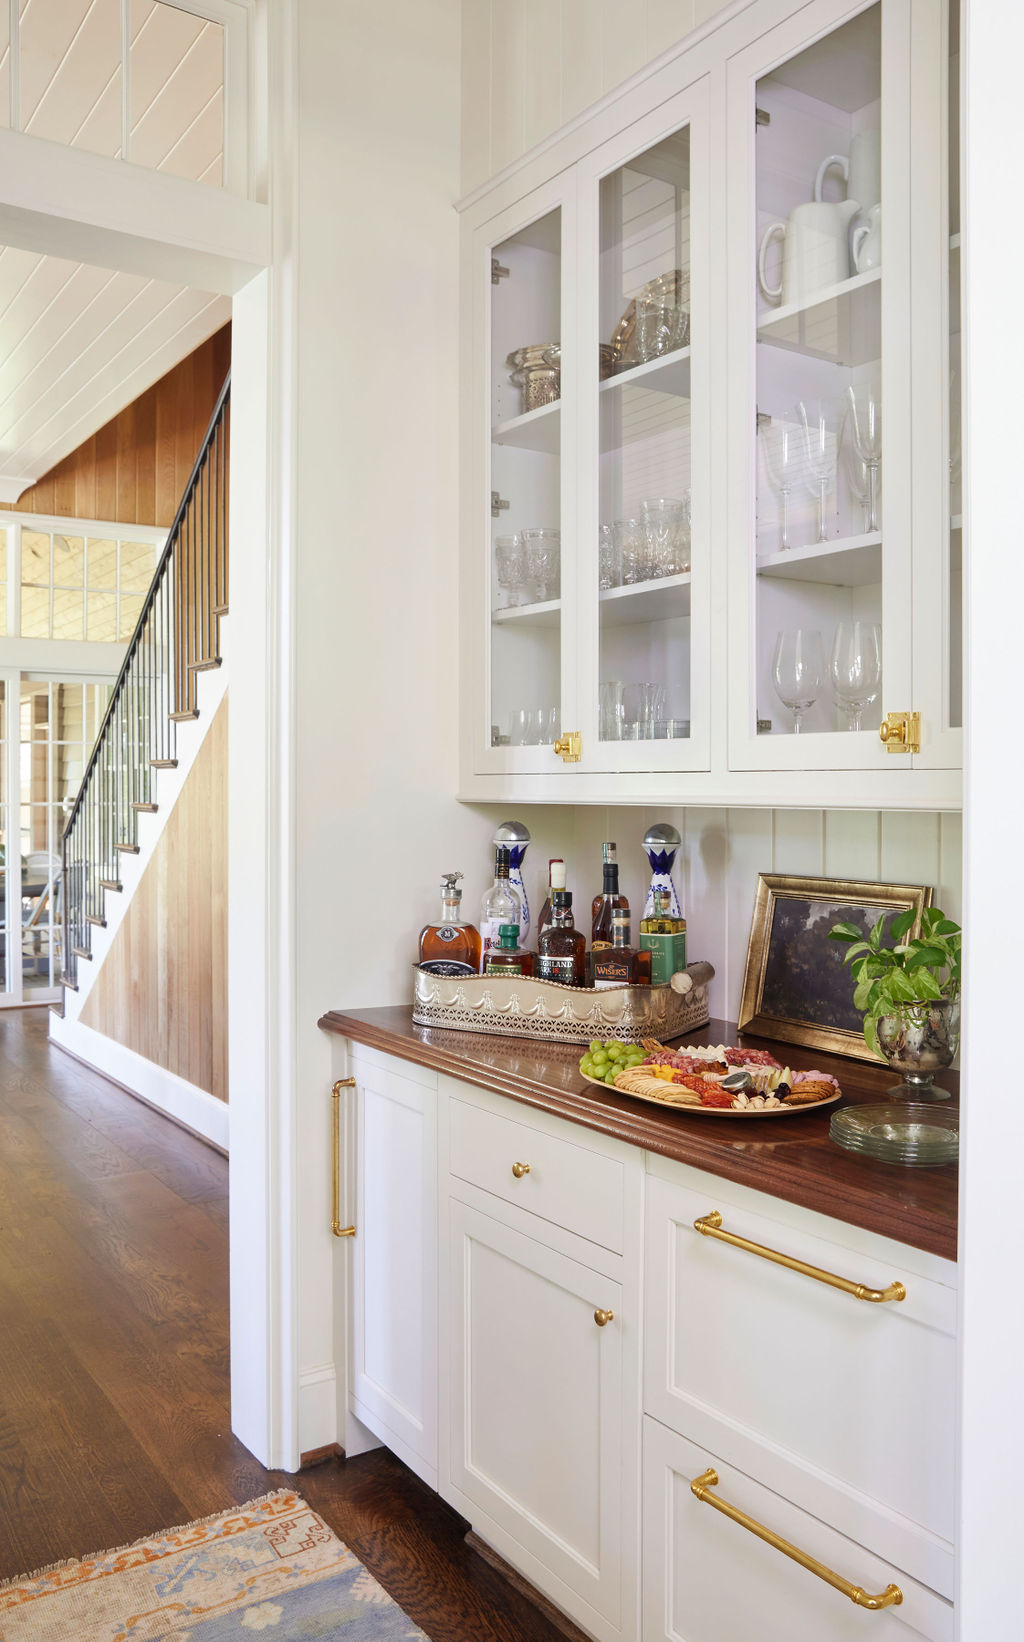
[798,667]
[855,667]
[821,423]
[859,480]
[510,563]
[783,462]
[543,555]
[865,421]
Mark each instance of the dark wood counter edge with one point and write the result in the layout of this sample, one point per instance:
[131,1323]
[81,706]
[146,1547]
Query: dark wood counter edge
[638,1125]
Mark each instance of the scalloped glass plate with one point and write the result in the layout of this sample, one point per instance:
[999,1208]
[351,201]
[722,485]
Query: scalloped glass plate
[908,1132]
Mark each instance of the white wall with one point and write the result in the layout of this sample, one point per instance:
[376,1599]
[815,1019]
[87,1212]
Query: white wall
[528,66]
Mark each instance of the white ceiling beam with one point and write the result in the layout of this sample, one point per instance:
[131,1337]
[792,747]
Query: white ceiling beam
[65,202]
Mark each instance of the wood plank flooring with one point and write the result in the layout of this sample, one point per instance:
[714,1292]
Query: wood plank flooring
[114,1414]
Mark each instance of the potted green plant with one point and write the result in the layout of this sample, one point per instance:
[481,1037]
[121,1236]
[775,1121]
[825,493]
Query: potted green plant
[909,992]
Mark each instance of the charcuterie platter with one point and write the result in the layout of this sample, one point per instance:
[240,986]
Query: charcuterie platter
[709,1081]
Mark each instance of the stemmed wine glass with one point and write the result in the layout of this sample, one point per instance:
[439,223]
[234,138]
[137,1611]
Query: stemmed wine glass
[865,420]
[783,461]
[859,480]
[510,563]
[798,667]
[855,667]
[821,424]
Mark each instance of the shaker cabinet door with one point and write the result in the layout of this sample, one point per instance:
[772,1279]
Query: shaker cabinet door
[536,1413]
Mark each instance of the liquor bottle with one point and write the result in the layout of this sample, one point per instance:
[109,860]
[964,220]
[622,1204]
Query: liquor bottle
[501,905]
[620,964]
[508,957]
[562,949]
[545,911]
[661,843]
[608,901]
[450,947]
[664,937]
[516,837]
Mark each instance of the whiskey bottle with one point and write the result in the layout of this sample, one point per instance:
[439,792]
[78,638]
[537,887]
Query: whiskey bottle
[501,905]
[608,901]
[562,949]
[508,957]
[620,964]
[545,911]
[664,937]
[450,947]
[515,836]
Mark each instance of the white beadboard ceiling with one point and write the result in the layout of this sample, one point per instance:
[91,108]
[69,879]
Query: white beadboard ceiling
[78,343]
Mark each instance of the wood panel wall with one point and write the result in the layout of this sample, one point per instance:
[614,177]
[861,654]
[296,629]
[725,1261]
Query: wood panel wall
[133,471]
[162,990]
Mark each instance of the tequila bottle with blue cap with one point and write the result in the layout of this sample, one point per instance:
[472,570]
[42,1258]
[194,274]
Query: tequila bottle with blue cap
[661,846]
[515,837]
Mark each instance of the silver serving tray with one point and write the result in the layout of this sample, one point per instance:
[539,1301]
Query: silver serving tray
[512,1006]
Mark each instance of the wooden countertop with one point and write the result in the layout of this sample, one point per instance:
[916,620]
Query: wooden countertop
[791,1158]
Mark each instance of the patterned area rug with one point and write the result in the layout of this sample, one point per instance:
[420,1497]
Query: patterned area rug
[270,1569]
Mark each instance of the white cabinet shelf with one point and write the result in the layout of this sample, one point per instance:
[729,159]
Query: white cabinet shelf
[646,601]
[840,323]
[548,614]
[538,429]
[852,561]
[670,373]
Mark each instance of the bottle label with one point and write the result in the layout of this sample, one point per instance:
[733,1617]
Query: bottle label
[446,932]
[612,972]
[668,955]
[506,968]
[557,966]
[447,966]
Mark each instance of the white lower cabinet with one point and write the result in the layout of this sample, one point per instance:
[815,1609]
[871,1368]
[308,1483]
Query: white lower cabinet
[708,1578]
[393,1336]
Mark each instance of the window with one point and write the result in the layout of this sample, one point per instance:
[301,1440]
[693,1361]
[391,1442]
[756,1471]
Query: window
[76,586]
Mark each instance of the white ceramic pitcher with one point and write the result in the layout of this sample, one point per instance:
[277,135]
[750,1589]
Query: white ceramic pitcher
[866,240]
[815,250]
[862,172]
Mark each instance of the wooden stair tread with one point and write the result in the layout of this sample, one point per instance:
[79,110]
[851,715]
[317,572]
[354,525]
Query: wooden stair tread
[129,849]
[219,610]
[180,718]
[111,883]
[66,980]
[163,763]
[204,666]
[144,806]
[94,918]
[81,952]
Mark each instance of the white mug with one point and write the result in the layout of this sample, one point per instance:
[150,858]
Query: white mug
[815,250]
[862,172]
[866,240]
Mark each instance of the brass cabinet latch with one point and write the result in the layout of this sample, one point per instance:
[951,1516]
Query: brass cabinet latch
[901,732]
[569,746]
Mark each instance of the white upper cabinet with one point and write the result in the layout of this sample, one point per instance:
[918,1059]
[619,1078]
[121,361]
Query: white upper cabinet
[711,480]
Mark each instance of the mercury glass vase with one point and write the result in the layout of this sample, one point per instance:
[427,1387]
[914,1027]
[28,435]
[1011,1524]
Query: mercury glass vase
[918,1041]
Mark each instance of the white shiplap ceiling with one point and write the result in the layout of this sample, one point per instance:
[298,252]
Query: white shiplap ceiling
[78,343]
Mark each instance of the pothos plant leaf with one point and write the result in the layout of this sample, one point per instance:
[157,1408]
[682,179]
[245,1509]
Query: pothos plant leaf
[889,977]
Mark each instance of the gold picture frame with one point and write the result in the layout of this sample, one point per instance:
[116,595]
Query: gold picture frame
[792,968]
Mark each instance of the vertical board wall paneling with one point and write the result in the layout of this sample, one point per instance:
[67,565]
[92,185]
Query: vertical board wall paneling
[134,469]
[853,845]
[949,892]
[542,84]
[581,57]
[751,838]
[799,842]
[508,84]
[910,848]
[476,93]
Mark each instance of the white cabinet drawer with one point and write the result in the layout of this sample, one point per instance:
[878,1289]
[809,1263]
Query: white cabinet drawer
[856,1397]
[568,1185]
[707,1578]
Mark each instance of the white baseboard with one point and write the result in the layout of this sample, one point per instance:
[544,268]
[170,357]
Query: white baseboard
[189,1105]
[318,1407]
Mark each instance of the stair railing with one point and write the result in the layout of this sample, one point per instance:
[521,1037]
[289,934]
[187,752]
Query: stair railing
[177,635]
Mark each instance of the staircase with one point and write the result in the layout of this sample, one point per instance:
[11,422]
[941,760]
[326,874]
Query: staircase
[177,637]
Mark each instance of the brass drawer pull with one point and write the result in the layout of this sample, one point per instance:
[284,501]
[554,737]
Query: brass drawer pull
[710,1225]
[601,1318]
[701,1487]
[519,1169]
[336,1227]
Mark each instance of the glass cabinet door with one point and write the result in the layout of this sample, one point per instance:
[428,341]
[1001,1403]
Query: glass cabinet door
[643,506]
[824,448]
[522,532]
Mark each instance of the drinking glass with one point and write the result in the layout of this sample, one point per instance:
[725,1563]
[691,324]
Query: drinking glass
[549,716]
[650,706]
[865,420]
[519,727]
[658,323]
[684,553]
[783,463]
[821,422]
[858,478]
[855,667]
[798,667]
[543,556]
[609,559]
[611,709]
[663,530]
[632,546]
[537,727]
[510,562]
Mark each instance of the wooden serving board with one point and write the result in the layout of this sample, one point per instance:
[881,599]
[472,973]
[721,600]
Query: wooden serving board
[715,1111]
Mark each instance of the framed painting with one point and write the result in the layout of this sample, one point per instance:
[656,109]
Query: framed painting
[795,986]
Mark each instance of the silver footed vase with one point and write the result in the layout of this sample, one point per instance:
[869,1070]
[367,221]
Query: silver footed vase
[918,1040]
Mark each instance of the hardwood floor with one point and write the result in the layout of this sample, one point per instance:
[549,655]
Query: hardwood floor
[114,1356]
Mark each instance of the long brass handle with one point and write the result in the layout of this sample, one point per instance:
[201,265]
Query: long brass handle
[701,1487]
[519,1169]
[601,1318]
[710,1225]
[336,1227]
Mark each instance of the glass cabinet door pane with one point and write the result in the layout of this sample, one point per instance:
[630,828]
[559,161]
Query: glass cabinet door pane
[643,557]
[956,594]
[525,547]
[819,458]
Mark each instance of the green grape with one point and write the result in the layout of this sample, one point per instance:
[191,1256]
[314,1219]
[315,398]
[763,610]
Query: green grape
[586,1066]
[595,1045]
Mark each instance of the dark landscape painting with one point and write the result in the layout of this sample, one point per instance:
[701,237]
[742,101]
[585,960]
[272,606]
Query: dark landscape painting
[804,978]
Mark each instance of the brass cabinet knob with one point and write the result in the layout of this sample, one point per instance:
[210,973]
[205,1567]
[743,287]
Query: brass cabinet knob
[519,1169]
[569,747]
[603,1317]
[901,732]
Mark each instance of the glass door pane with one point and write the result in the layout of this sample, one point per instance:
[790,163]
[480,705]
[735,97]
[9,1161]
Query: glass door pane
[956,484]
[643,554]
[818,455]
[526,502]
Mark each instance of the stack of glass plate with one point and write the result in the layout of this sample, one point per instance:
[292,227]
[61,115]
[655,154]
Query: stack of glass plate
[905,1131]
